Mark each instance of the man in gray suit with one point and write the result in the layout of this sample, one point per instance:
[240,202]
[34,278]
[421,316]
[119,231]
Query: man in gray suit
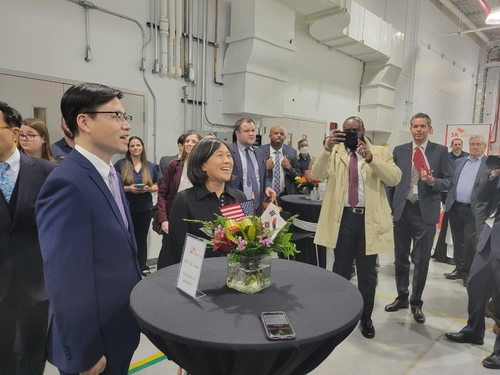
[416,206]
[484,272]
[460,204]
[281,162]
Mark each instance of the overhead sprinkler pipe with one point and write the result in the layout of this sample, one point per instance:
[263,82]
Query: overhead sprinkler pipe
[88,51]
[178,36]
[163,38]
[154,26]
[171,39]
[190,68]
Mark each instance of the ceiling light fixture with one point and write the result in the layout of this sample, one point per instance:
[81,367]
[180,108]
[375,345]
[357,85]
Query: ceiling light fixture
[494,16]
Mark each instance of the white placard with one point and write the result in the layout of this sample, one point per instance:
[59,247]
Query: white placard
[191,262]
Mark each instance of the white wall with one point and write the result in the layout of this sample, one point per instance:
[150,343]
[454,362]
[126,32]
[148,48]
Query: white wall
[48,38]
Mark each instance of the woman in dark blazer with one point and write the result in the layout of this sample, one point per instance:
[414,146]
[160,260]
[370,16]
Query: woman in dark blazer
[210,167]
[174,180]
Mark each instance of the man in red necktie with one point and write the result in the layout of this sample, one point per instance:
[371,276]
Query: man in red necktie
[356,220]
[416,206]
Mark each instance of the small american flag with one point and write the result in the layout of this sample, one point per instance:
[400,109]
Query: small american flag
[238,210]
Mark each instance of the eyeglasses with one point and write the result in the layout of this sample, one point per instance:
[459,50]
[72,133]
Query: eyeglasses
[120,117]
[29,137]
[5,127]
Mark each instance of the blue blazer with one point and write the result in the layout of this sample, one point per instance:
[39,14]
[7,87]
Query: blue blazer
[237,181]
[291,154]
[429,197]
[90,267]
[457,169]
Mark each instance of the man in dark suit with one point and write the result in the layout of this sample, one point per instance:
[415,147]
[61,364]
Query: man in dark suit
[252,179]
[281,162]
[484,273]
[416,206]
[23,300]
[460,206]
[63,147]
[87,242]
[165,160]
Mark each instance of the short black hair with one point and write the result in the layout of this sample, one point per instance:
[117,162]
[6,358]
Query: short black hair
[11,116]
[421,115]
[85,97]
[456,139]
[200,153]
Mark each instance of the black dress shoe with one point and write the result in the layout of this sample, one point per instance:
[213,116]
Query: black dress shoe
[397,304]
[462,338]
[367,328]
[454,275]
[493,362]
[418,315]
[465,279]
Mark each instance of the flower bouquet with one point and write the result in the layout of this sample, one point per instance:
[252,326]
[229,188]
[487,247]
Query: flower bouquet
[306,183]
[249,242]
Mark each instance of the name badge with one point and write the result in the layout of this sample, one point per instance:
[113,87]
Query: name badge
[191,263]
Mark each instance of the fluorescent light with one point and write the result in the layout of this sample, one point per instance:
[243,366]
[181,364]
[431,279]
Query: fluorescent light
[494,16]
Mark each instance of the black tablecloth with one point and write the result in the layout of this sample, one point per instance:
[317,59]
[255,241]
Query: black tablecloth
[308,211]
[221,333]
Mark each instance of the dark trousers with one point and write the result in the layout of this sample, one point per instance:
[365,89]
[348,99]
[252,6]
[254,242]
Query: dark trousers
[351,244]
[463,232]
[141,221]
[119,368]
[23,332]
[441,248]
[484,276]
[411,226]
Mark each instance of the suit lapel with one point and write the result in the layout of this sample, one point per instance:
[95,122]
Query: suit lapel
[482,168]
[98,180]
[25,184]
[237,162]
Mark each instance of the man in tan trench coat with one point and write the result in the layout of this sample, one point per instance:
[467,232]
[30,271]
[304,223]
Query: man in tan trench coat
[355,216]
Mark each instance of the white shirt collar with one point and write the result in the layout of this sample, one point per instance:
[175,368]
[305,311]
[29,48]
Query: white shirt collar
[242,147]
[14,162]
[423,145]
[99,164]
[273,151]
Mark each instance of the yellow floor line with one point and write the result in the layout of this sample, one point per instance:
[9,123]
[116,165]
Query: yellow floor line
[145,360]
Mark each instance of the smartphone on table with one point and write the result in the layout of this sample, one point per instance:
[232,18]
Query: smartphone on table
[277,325]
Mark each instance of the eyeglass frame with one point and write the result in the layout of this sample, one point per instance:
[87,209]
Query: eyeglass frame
[27,137]
[120,116]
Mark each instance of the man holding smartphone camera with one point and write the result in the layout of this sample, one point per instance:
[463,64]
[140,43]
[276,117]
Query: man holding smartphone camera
[354,220]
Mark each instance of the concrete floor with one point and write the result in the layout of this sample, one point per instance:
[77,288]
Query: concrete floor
[401,346]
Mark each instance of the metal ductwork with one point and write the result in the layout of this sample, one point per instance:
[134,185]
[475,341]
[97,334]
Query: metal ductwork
[258,58]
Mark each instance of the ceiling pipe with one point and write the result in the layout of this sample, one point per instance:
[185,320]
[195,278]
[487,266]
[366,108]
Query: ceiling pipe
[462,17]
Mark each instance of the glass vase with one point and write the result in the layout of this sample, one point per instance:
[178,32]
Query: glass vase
[248,274]
[307,193]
